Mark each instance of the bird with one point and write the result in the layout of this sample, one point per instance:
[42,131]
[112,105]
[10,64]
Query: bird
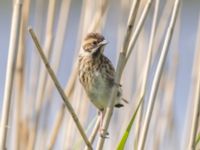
[97,74]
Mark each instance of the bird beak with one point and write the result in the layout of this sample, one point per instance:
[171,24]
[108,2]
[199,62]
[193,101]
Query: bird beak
[104,42]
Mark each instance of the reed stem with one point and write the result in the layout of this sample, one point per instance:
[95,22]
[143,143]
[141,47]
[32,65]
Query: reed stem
[11,63]
[59,88]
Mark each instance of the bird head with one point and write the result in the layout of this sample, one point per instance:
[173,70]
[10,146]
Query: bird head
[94,44]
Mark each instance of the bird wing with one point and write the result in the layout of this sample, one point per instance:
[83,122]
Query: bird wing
[109,71]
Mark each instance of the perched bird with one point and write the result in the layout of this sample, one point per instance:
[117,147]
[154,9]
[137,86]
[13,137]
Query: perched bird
[96,73]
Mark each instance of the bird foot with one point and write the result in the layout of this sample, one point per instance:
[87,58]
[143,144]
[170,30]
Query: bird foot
[118,84]
[104,134]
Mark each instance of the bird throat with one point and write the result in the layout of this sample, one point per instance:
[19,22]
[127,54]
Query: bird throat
[98,52]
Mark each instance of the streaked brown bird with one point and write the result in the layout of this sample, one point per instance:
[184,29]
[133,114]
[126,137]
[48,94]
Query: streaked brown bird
[96,73]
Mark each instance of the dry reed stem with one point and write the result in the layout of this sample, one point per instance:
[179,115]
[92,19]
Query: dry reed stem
[147,68]
[157,76]
[11,61]
[119,71]
[164,115]
[169,123]
[19,79]
[43,73]
[59,88]
[162,25]
[196,109]
[137,30]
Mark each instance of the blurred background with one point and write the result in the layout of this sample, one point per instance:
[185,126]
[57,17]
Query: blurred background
[60,33]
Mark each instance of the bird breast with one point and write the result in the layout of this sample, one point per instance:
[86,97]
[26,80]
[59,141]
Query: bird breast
[92,77]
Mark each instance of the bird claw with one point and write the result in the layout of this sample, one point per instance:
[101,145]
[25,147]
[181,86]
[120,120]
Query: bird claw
[104,134]
[118,84]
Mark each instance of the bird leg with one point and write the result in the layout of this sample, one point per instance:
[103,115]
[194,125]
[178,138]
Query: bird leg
[103,134]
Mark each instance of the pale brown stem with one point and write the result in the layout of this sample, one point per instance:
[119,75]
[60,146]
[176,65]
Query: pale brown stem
[59,88]
[137,30]
[146,69]
[11,62]
[19,79]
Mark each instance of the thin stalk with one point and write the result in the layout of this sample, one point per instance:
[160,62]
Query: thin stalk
[157,76]
[147,68]
[59,88]
[165,122]
[119,70]
[137,30]
[20,74]
[168,124]
[11,62]
[165,15]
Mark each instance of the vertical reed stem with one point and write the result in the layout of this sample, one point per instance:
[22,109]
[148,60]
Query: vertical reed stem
[157,77]
[147,68]
[20,74]
[11,62]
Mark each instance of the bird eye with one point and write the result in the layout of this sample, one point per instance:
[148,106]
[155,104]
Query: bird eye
[94,42]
